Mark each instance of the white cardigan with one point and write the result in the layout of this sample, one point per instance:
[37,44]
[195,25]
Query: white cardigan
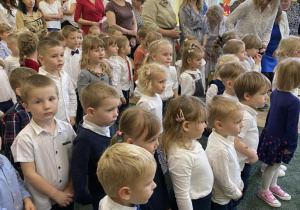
[284,26]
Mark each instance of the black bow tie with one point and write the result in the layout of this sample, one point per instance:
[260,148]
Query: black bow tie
[74,52]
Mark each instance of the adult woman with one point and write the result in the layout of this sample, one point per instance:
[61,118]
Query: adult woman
[191,20]
[292,10]
[254,16]
[29,16]
[8,10]
[68,8]
[137,6]
[89,13]
[119,12]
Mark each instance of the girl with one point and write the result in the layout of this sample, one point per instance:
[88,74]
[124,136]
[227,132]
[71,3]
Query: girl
[140,127]
[80,38]
[152,82]
[27,44]
[190,78]
[93,67]
[190,172]
[279,138]
[237,47]
[52,13]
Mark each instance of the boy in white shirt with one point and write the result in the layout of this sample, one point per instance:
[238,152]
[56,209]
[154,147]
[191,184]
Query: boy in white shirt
[225,116]
[5,30]
[12,61]
[252,45]
[126,172]
[51,54]
[44,146]
[251,89]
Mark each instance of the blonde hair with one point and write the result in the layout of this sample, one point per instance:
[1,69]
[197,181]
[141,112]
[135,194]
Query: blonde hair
[151,37]
[288,74]
[121,165]
[223,60]
[92,28]
[12,37]
[142,32]
[187,41]
[215,13]
[193,109]
[56,35]
[27,44]
[288,47]
[121,41]
[251,41]
[155,47]
[189,53]
[221,108]
[231,70]
[4,27]
[147,74]
[250,82]
[33,82]
[19,75]
[199,3]
[134,122]
[233,46]
[107,39]
[112,29]
[219,42]
[67,30]
[95,93]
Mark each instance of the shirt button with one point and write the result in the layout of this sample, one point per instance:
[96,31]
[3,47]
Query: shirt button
[14,194]
[9,181]
[60,180]
[58,167]
[56,152]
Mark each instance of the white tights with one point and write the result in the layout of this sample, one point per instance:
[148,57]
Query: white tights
[269,177]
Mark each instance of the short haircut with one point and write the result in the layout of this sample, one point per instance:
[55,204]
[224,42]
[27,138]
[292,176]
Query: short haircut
[4,27]
[19,75]
[221,108]
[33,82]
[121,165]
[112,29]
[56,35]
[231,70]
[94,93]
[223,60]
[68,29]
[45,44]
[142,32]
[288,74]
[12,37]
[121,41]
[250,82]
[233,46]
[251,41]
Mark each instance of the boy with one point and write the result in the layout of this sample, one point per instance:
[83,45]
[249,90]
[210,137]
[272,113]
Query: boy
[5,30]
[94,134]
[44,146]
[228,75]
[126,172]
[16,118]
[58,37]
[51,54]
[12,61]
[252,45]
[225,116]
[141,51]
[114,30]
[251,89]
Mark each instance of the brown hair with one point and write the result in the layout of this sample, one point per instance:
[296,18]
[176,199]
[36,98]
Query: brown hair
[199,4]
[68,29]
[189,53]
[56,35]
[151,37]
[231,70]
[45,44]
[251,41]
[92,28]
[27,44]
[121,41]
[107,39]
[112,29]
[4,27]
[288,74]
[215,13]
[233,46]
[19,75]
[142,32]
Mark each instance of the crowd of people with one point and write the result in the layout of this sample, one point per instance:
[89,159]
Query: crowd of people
[97,107]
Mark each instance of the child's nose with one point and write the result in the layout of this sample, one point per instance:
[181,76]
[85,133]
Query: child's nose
[153,185]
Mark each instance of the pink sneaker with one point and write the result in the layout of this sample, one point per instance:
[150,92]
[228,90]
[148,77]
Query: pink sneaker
[268,198]
[279,193]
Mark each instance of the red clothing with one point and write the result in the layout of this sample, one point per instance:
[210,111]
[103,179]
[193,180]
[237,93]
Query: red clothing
[139,55]
[89,11]
[31,64]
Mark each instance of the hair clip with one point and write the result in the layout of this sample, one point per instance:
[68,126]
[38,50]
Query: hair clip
[180,117]
[106,36]
[148,71]
[190,51]
[119,136]
[186,39]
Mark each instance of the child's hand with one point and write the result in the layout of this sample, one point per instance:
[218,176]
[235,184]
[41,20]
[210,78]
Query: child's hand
[257,59]
[123,100]
[286,152]
[28,204]
[238,197]
[72,121]
[63,199]
[253,159]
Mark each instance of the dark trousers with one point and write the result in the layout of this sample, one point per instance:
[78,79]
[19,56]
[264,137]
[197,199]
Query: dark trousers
[66,23]
[269,75]
[6,105]
[79,112]
[52,29]
[126,94]
[228,206]
[57,207]
[202,203]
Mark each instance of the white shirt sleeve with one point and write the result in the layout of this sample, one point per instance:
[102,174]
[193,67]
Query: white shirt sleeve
[186,83]
[239,13]
[72,97]
[22,149]
[211,92]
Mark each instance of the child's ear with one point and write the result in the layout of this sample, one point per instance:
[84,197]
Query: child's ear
[247,96]
[218,124]
[90,111]
[229,84]
[129,141]
[40,58]
[124,193]
[153,56]
[188,60]
[185,126]
[18,91]
[147,83]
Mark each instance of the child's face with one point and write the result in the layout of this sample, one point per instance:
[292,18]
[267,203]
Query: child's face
[112,50]
[96,55]
[241,54]
[195,62]
[127,48]
[4,35]
[233,125]
[80,39]
[42,103]
[53,59]
[95,32]
[106,114]
[252,52]
[164,57]
[72,41]
[259,99]
[159,83]
[13,46]
[196,129]
[148,144]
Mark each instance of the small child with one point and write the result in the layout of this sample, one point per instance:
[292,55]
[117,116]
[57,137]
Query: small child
[94,135]
[5,30]
[51,54]
[216,87]
[114,30]
[80,38]
[126,172]
[251,89]
[189,168]
[252,45]
[27,45]
[58,37]
[12,61]
[44,146]
[52,12]
[190,79]
[278,140]
[94,31]
[141,51]
[228,74]
[225,116]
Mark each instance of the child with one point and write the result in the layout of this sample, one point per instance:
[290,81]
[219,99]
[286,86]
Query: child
[189,168]
[114,30]
[126,172]
[141,51]
[152,82]
[251,89]
[12,61]
[216,87]
[140,127]
[51,54]
[190,79]
[94,134]
[94,31]
[225,116]
[58,37]
[52,12]
[44,146]
[27,45]
[228,74]
[5,30]
[151,37]
[80,38]
[16,118]
[278,141]
[252,45]
[92,63]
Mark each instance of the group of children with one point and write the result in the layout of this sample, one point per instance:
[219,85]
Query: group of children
[65,83]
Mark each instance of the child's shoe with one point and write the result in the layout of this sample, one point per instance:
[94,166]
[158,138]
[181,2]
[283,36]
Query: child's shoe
[268,198]
[279,193]
[281,172]
[283,168]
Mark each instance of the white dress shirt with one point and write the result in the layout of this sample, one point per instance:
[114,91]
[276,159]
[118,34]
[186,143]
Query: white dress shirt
[231,97]
[103,131]
[11,63]
[107,203]
[6,93]
[187,83]
[171,84]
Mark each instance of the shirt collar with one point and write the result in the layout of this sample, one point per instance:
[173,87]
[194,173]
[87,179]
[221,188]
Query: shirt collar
[38,130]
[43,72]
[114,205]
[103,131]
[250,110]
